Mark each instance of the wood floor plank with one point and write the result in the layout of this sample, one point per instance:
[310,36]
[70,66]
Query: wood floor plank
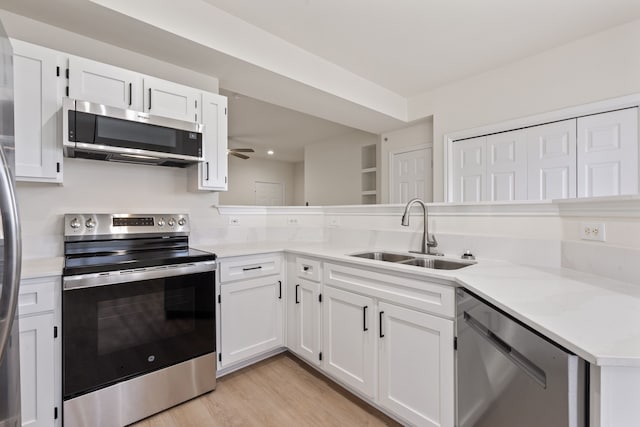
[280,391]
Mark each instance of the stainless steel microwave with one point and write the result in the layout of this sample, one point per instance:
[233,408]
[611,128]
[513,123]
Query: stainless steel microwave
[101,132]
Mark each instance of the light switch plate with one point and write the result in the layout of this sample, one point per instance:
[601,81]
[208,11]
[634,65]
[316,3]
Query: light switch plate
[592,231]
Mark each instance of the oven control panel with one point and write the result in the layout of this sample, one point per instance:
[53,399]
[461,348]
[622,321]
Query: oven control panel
[119,224]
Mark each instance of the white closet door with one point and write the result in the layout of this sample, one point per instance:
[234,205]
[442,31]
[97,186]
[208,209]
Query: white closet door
[507,166]
[469,170]
[551,158]
[608,153]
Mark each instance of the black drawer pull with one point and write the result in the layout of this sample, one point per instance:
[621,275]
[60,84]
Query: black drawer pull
[252,268]
[305,268]
[381,334]
[279,289]
[364,318]
[297,301]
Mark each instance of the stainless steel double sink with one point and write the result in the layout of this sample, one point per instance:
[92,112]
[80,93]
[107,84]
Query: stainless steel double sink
[434,263]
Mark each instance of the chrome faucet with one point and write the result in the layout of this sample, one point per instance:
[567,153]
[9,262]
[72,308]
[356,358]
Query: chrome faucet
[428,240]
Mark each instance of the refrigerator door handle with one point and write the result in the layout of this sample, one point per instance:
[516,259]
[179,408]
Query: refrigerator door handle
[12,255]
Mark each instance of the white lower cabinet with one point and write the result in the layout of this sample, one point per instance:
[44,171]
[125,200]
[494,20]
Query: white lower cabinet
[307,320]
[349,339]
[415,365]
[40,352]
[251,308]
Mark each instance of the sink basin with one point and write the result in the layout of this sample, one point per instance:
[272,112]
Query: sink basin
[384,256]
[437,264]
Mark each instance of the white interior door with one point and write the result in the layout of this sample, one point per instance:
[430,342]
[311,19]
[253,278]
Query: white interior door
[551,161]
[411,173]
[507,166]
[608,153]
[269,193]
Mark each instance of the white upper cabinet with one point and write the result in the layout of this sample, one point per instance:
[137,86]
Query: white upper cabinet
[506,166]
[38,83]
[608,153]
[469,174]
[212,173]
[168,99]
[104,84]
[552,160]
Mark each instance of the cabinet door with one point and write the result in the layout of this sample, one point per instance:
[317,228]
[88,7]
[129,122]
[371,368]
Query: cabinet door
[168,99]
[469,170]
[349,339]
[506,166]
[38,99]
[37,370]
[104,84]
[608,153]
[307,324]
[212,173]
[250,318]
[416,369]
[551,160]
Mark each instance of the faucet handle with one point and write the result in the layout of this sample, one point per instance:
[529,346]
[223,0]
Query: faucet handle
[432,242]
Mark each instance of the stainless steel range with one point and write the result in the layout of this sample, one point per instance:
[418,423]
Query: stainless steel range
[138,317]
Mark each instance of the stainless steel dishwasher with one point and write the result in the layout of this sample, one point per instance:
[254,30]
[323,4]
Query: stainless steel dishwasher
[509,375]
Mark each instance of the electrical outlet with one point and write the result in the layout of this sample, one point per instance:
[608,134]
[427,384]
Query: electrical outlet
[292,221]
[234,220]
[592,231]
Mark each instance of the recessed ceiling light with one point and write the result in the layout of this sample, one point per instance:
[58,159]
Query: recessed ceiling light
[270,152]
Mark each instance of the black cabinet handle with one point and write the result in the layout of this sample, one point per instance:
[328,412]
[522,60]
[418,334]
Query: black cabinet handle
[305,268]
[364,318]
[207,165]
[252,268]
[130,94]
[149,98]
[381,334]
[279,289]
[297,301]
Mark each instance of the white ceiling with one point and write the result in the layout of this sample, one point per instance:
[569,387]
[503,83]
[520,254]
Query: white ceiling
[412,46]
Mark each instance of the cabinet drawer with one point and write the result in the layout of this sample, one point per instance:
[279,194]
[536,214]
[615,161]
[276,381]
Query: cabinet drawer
[37,295]
[415,292]
[308,269]
[249,267]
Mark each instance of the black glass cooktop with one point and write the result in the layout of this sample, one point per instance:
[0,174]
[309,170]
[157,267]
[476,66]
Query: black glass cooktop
[86,257]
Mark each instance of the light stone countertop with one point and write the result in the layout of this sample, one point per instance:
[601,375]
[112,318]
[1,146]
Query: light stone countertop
[595,317]
[41,267]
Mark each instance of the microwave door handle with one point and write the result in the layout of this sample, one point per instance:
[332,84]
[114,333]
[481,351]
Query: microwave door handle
[517,358]
[12,252]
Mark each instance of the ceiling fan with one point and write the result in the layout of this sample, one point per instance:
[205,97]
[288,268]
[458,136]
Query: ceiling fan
[238,152]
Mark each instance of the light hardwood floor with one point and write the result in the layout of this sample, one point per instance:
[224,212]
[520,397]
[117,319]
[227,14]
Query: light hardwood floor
[280,391]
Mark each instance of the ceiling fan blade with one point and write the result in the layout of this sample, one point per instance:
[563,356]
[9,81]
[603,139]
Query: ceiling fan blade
[242,156]
[242,150]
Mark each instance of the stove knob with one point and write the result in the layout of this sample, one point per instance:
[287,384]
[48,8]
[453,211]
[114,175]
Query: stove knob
[182,222]
[161,222]
[171,222]
[90,223]
[74,223]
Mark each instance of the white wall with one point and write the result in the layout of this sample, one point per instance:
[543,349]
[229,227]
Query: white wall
[298,184]
[332,169]
[243,175]
[416,134]
[601,66]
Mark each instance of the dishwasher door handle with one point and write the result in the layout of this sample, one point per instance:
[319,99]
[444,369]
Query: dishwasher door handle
[517,358]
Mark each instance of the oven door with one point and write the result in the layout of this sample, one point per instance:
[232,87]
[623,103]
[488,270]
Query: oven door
[119,325]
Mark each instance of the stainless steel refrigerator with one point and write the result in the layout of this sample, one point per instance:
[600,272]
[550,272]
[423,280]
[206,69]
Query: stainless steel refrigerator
[10,248]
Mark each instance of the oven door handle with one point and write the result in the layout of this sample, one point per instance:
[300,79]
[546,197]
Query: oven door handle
[122,276]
